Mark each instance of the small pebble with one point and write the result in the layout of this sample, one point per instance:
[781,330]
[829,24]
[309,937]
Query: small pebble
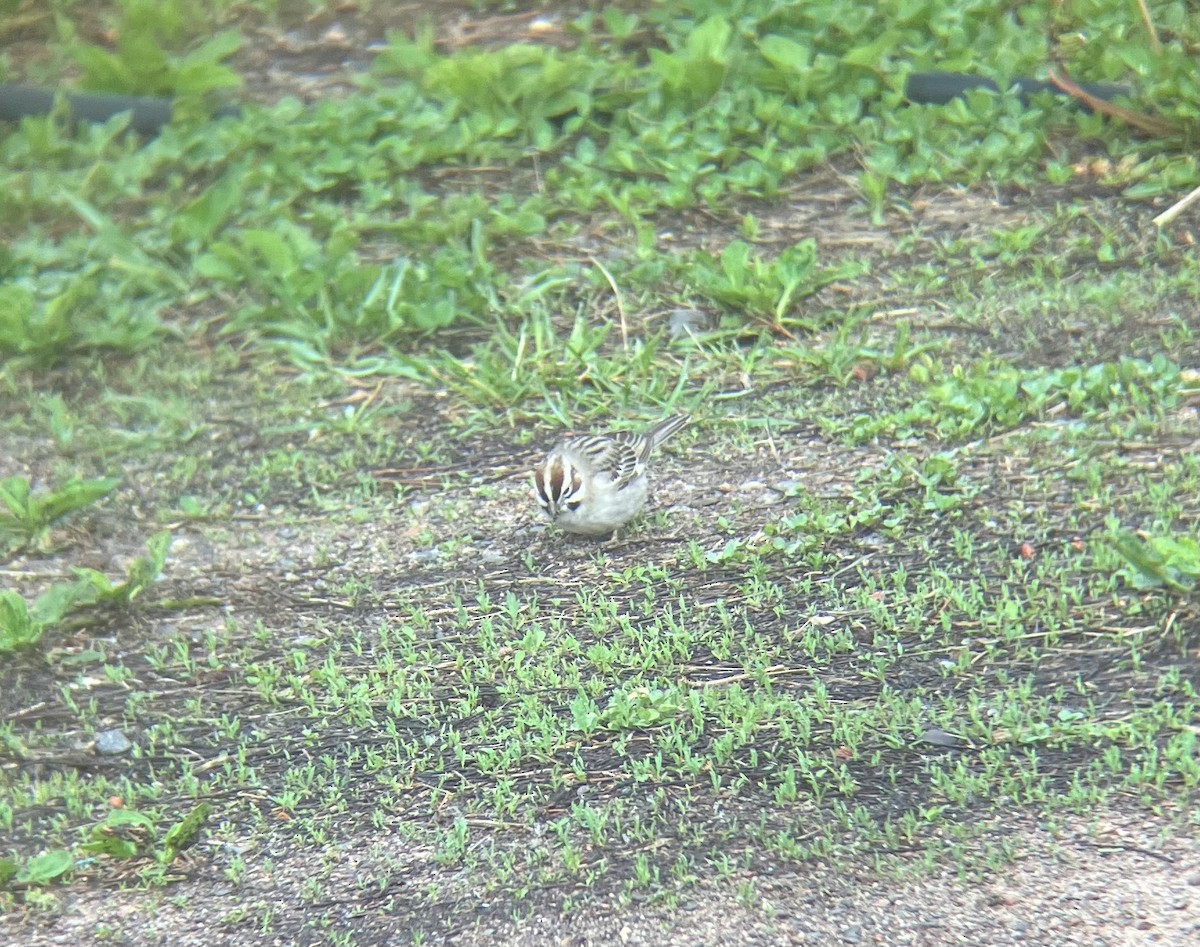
[940,738]
[112,743]
[682,322]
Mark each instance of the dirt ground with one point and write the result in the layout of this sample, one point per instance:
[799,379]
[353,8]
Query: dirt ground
[1116,878]
[1106,882]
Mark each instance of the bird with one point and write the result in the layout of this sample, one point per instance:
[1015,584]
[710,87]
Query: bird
[593,484]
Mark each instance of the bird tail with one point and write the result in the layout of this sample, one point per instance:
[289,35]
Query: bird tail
[665,429]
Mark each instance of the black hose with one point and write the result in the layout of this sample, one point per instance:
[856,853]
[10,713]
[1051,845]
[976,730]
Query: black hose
[148,113]
[938,88]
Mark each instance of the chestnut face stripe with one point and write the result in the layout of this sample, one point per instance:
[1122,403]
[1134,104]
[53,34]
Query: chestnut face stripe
[551,483]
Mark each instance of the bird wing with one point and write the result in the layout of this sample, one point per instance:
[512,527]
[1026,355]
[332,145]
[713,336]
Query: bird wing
[617,455]
[628,457]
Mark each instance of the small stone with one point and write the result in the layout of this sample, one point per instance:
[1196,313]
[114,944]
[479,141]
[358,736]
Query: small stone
[940,738]
[112,743]
[683,322]
[852,934]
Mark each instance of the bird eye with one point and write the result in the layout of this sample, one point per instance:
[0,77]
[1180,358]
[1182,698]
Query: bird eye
[573,505]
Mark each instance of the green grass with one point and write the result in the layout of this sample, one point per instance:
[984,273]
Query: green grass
[925,559]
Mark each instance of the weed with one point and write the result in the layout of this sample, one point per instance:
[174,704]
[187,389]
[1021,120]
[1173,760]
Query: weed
[22,625]
[29,516]
[141,63]
[767,291]
[1171,562]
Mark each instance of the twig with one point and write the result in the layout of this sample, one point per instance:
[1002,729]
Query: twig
[861,560]
[1155,43]
[1176,209]
[1122,847]
[620,302]
[772,671]
[1158,127]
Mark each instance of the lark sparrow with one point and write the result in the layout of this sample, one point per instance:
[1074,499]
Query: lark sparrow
[595,483]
